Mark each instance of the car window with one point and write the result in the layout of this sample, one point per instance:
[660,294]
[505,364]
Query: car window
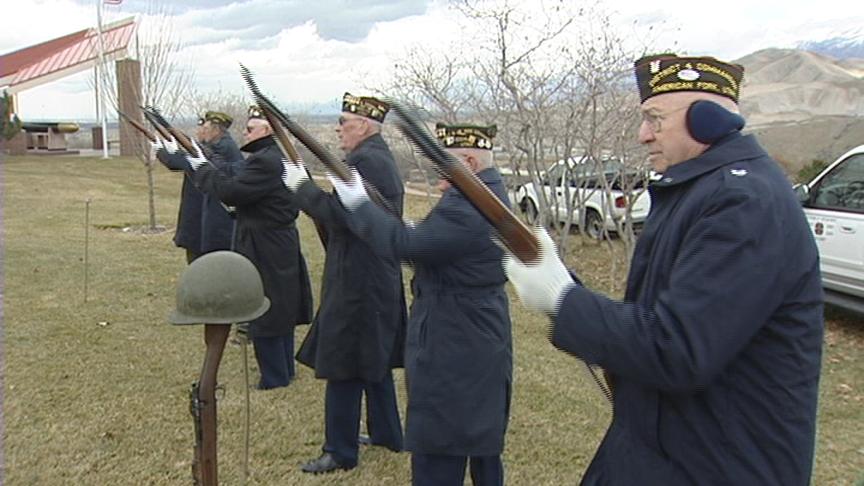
[842,188]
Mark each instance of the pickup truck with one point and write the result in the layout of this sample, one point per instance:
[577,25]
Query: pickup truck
[581,181]
[834,204]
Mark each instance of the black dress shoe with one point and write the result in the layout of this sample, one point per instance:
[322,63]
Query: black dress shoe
[324,464]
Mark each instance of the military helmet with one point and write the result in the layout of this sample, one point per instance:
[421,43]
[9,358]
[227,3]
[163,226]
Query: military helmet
[222,287]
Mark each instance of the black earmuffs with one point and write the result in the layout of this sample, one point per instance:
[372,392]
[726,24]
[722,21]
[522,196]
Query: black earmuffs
[708,122]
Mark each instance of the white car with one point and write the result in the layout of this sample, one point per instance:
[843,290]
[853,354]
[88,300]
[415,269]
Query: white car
[834,204]
[581,182]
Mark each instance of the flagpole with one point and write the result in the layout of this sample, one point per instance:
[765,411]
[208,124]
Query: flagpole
[99,79]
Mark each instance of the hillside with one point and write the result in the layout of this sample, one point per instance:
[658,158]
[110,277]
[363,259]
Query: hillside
[802,104]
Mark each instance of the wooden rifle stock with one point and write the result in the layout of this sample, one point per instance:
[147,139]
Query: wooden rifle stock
[159,121]
[138,126]
[203,406]
[515,235]
[159,128]
[292,156]
[334,165]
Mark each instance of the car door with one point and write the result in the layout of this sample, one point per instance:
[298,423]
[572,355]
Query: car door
[554,188]
[835,211]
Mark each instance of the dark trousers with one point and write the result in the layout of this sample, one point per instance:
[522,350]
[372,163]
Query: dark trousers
[275,356]
[191,255]
[439,470]
[342,417]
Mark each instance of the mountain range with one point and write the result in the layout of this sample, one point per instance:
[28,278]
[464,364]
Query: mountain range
[841,45]
[805,104]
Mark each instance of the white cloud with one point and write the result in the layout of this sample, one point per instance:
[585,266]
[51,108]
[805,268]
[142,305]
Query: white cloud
[28,23]
[300,60]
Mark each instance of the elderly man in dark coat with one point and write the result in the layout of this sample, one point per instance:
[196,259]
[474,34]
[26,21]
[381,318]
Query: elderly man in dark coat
[267,235]
[203,223]
[714,354]
[358,332]
[458,353]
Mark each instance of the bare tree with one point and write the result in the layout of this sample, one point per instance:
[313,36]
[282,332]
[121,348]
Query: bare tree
[522,81]
[166,81]
[233,104]
[440,83]
[599,112]
[556,77]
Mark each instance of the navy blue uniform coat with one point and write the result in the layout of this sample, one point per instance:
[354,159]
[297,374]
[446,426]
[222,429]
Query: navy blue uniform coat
[458,349]
[266,234]
[359,330]
[203,223]
[715,353]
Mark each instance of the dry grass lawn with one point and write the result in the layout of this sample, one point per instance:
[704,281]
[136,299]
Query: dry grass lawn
[96,392]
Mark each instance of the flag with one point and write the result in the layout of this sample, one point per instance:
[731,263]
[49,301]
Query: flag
[112,2]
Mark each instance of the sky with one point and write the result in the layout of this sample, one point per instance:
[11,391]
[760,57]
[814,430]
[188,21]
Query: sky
[306,53]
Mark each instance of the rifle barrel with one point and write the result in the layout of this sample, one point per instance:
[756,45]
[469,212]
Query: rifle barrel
[515,235]
[334,165]
[159,121]
[138,126]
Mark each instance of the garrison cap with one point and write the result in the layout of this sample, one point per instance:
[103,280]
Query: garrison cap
[255,112]
[665,73]
[218,117]
[365,106]
[466,136]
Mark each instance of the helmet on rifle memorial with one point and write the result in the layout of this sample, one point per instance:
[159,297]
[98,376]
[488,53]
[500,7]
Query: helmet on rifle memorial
[222,287]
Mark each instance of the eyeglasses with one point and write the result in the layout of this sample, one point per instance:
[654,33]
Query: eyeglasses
[654,119]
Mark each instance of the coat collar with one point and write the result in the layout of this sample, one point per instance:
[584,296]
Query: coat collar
[259,144]
[370,142]
[731,149]
[489,176]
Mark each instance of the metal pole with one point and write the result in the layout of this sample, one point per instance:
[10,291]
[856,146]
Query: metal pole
[86,246]
[99,78]
[244,342]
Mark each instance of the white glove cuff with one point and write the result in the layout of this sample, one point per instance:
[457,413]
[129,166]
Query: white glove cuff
[560,292]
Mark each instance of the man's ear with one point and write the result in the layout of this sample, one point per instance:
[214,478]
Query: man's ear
[472,162]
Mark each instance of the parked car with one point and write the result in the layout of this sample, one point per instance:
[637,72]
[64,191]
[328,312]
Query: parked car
[582,181]
[834,204]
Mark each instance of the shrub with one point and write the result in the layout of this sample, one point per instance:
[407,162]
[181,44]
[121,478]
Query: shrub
[808,172]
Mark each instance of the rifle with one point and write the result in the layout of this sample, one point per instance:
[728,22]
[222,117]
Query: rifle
[138,126]
[168,131]
[511,230]
[287,149]
[202,406]
[336,166]
[515,235]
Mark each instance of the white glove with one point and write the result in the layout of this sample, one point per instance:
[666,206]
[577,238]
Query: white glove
[294,174]
[351,193]
[196,162]
[170,145]
[541,285]
[157,145]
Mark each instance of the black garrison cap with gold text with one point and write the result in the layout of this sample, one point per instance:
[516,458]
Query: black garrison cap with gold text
[666,73]
[466,136]
[365,106]
[255,112]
